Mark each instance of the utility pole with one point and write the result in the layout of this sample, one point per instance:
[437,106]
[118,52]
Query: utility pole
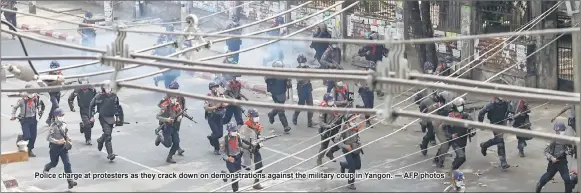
[108,10]
[574,12]
[32,7]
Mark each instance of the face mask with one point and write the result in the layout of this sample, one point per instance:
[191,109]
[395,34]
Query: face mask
[30,96]
[334,46]
[430,71]
[356,123]
[331,103]
[173,100]
[256,119]
[61,119]
[339,84]
[460,108]
[234,134]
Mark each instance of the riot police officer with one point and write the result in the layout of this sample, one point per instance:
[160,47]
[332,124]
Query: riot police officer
[372,52]
[341,94]
[215,114]
[232,148]
[366,94]
[250,132]
[164,102]
[557,157]
[329,125]
[427,104]
[55,97]
[110,115]
[29,106]
[458,135]
[305,92]
[278,89]
[498,112]
[521,120]
[170,116]
[233,92]
[59,145]
[234,44]
[350,135]
[84,97]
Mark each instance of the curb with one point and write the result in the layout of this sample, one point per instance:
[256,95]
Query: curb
[50,33]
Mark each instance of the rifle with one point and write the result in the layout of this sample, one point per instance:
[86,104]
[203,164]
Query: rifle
[160,127]
[256,143]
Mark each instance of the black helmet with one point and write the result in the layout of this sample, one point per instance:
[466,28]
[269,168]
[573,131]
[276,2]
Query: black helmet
[54,64]
[212,85]
[301,59]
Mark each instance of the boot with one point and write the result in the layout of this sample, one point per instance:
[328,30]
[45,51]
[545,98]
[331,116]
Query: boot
[436,161]
[72,184]
[504,165]
[181,152]
[170,160]
[330,156]
[295,117]
[351,186]
[224,179]
[483,148]
[100,143]
[271,117]
[111,157]
[30,154]
[287,129]
[257,185]
[433,143]
[310,122]
[216,152]
[368,122]
[158,140]
[88,142]
[521,154]
[424,149]
[441,162]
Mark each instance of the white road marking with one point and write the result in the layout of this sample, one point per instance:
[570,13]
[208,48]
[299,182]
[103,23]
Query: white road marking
[283,153]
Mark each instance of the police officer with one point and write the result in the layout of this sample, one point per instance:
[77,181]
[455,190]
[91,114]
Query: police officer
[250,132]
[59,145]
[170,116]
[29,106]
[233,92]
[55,97]
[169,75]
[427,104]
[372,52]
[232,148]
[521,120]
[88,32]
[341,95]
[165,102]
[329,125]
[234,44]
[110,115]
[458,135]
[84,97]
[278,89]
[305,92]
[366,94]
[215,114]
[557,157]
[442,97]
[275,52]
[498,112]
[350,135]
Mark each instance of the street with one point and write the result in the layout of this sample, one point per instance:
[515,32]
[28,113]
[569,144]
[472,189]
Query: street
[134,142]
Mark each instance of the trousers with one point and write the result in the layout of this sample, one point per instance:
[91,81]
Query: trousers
[171,137]
[460,155]
[167,79]
[280,99]
[106,137]
[29,130]
[305,98]
[352,162]
[86,126]
[325,138]
[552,169]
[234,167]
[256,160]
[55,98]
[368,98]
[55,152]
[233,110]
[215,122]
[497,140]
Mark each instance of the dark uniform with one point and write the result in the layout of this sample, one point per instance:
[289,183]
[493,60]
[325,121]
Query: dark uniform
[170,123]
[367,97]
[29,107]
[84,97]
[557,157]
[341,95]
[350,135]
[110,114]
[330,124]
[305,94]
[234,44]
[498,112]
[232,149]
[215,117]
[233,92]
[251,131]
[278,89]
[459,137]
[59,145]
[55,97]
[521,120]
[88,33]
[426,125]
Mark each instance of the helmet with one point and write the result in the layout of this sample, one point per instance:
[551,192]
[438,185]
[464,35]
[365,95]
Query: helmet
[54,64]
[231,127]
[58,112]
[174,85]
[252,113]
[278,64]
[88,14]
[429,67]
[192,19]
[235,18]
[339,84]
[169,27]
[458,175]
[106,88]
[83,80]
[213,85]
[497,99]
[559,127]
[458,105]
[328,97]
[301,59]
[279,20]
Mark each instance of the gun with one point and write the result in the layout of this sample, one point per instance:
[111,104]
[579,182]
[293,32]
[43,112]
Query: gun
[160,127]
[256,143]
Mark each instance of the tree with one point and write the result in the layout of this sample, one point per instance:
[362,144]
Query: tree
[422,28]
